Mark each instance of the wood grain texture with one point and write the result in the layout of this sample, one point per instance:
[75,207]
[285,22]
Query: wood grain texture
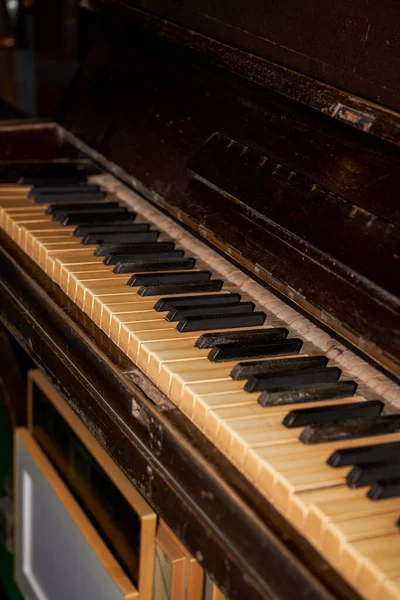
[354,47]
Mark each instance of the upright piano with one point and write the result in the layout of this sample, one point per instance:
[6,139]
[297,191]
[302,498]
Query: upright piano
[199,297]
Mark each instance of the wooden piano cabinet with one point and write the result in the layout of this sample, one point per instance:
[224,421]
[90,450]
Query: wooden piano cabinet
[153,444]
[59,554]
[121,515]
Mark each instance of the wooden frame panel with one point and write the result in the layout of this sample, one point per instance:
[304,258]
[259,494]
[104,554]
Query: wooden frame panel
[187,575]
[145,513]
[75,513]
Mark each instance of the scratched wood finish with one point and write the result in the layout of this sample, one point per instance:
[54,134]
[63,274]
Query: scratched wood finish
[336,102]
[154,447]
[354,46]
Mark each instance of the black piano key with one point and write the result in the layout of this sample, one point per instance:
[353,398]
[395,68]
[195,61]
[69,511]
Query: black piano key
[178,314]
[120,215]
[79,207]
[83,230]
[247,369]
[116,237]
[309,393]
[253,319]
[114,258]
[83,196]
[333,412]
[242,351]
[350,429]
[385,489]
[64,189]
[181,287]
[136,249]
[364,454]
[149,265]
[61,180]
[167,304]
[368,474]
[294,378]
[62,215]
[154,278]
[254,336]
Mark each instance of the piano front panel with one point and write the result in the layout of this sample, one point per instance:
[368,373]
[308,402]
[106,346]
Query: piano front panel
[149,558]
[121,516]
[59,553]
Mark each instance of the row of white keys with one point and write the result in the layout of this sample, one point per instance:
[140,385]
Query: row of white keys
[218,404]
[85,279]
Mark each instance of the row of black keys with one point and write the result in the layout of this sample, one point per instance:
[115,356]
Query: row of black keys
[133,247]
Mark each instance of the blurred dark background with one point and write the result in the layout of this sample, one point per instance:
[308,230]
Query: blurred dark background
[39,54]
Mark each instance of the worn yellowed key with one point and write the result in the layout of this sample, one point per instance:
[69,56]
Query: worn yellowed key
[138,340]
[121,312]
[368,563]
[237,429]
[64,266]
[36,231]
[390,589]
[15,188]
[339,533]
[261,460]
[325,511]
[67,277]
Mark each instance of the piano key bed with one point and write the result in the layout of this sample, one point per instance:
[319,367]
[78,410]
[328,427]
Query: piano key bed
[311,425]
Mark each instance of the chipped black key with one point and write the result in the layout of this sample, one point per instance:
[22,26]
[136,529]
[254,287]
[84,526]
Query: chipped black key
[52,198]
[241,351]
[295,377]
[181,287]
[255,336]
[253,319]
[351,429]
[333,412]
[137,237]
[315,392]
[382,490]
[119,215]
[167,304]
[247,369]
[178,314]
[68,207]
[373,453]
[136,249]
[83,230]
[114,258]
[149,265]
[368,474]
[154,278]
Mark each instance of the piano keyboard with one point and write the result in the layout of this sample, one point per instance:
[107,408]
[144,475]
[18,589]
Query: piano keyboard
[319,440]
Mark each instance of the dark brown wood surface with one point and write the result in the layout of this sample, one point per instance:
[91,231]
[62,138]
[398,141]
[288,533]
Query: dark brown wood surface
[319,222]
[336,102]
[248,548]
[351,45]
